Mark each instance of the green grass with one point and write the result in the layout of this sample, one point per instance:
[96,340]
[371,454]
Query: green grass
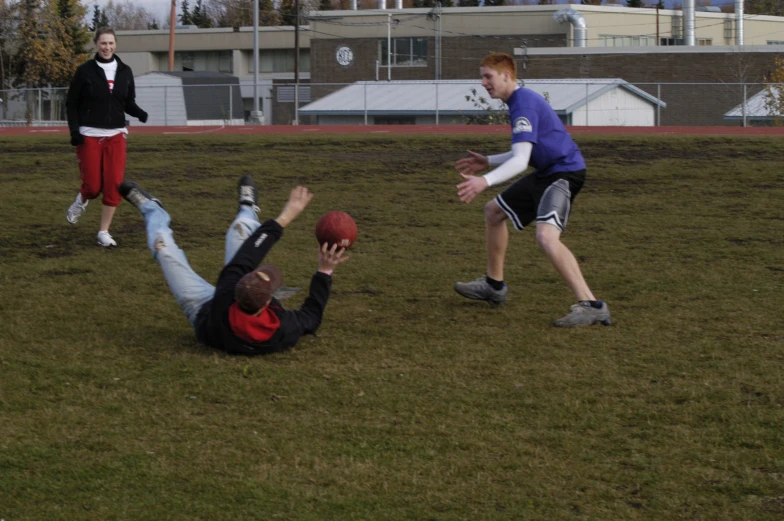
[410,404]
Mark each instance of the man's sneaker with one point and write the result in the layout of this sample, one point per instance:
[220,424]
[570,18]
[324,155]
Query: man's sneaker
[479,289]
[584,314]
[105,240]
[134,194]
[76,209]
[247,192]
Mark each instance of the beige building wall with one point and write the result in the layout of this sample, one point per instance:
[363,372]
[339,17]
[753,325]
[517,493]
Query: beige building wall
[718,28]
[147,51]
[142,49]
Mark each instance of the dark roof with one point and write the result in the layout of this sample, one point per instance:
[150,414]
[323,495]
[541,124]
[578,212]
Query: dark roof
[203,78]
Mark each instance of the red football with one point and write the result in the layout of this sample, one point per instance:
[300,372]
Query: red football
[336,228]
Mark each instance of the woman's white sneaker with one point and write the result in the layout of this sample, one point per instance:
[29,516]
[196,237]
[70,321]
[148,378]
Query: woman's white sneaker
[105,240]
[76,209]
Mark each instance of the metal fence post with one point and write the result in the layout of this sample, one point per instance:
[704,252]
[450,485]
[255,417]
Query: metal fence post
[40,103]
[364,90]
[586,103]
[436,103]
[658,105]
[165,107]
[744,104]
[231,105]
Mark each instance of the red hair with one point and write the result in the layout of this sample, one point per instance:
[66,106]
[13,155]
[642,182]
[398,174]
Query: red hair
[500,62]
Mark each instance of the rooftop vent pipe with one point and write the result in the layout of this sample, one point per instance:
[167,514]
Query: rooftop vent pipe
[382,4]
[688,23]
[353,5]
[738,22]
[578,21]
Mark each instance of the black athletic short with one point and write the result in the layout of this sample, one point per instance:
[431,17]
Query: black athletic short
[547,199]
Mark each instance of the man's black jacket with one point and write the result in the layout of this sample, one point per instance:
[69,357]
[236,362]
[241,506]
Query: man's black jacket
[212,323]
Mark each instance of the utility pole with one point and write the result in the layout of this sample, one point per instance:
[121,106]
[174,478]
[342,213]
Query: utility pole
[172,23]
[435,15]
[296,64]
[256,115]
[657,25]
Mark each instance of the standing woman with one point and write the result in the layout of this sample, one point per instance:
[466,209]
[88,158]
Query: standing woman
[102,92]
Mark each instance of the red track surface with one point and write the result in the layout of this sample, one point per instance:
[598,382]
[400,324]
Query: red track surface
[405,129]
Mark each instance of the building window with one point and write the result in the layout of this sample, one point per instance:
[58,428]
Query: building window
[608,40]
[185,62]
[201,61]
[286,94]
[280,60]
[704,41]
[406,52]
[671,41]
[677,27]
[775,42]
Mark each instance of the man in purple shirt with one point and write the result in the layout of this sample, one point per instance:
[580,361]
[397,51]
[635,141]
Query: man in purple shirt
[540,140]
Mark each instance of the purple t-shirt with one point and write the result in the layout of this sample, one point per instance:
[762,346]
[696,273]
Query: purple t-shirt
[534,121]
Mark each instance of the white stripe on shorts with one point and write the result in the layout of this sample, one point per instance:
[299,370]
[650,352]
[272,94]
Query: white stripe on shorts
[509,213]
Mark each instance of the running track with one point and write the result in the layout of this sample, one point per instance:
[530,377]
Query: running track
[404,129]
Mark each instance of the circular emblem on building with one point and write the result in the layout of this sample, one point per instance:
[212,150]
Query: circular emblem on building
[344,56]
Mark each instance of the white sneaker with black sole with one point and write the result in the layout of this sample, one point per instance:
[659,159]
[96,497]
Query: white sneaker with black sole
[247,193]
[136,195]
[105,240]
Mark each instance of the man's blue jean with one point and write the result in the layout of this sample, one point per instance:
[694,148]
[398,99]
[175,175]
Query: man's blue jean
[190,290]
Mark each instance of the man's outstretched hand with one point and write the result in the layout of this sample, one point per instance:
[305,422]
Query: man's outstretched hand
[473,164]
[298,200]
[330,257]
[471,187]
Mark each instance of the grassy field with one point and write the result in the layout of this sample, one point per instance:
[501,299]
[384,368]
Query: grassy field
[411,403]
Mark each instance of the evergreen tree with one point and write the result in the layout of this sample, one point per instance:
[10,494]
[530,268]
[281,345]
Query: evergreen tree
[491,3]
[185,15]
[71,14]
[469,3]
[199,16]
[7,32]
[764,7]
[268,15]
[591,2]
[96,21]
[326,5]
[104,21]
[288,13]
[635,3]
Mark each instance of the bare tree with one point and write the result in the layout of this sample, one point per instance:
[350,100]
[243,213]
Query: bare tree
[741,72]
[231,13]
[124,15]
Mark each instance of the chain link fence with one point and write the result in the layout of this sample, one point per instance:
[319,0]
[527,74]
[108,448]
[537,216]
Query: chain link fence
[642,104]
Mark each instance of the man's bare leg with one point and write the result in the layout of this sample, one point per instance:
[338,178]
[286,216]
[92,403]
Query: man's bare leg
[549,238]
[497,240]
